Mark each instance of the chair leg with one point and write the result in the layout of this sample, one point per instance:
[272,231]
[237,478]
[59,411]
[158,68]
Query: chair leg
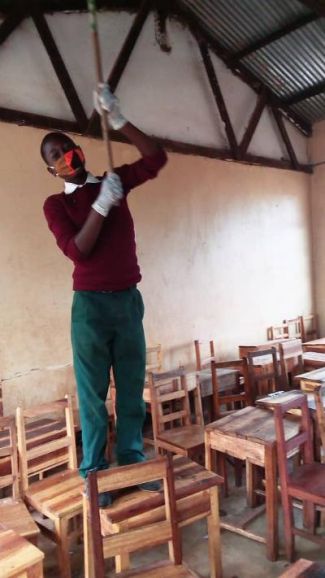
[61,529]
[288,527]
[309,516]
[88,550]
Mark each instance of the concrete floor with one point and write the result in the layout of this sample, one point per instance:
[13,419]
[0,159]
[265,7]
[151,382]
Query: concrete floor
[241,557]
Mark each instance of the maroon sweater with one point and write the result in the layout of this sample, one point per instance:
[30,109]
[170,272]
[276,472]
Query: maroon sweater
[112,265]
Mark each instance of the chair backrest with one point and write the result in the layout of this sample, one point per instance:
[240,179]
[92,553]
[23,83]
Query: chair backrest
[225,398]
[53,446]
[291,359]
[170,404]
[301,442]
[278,332]
[9,455]
[204,353]
[262,372]
[131,540]
[294,327]
[153,358]
[309,327]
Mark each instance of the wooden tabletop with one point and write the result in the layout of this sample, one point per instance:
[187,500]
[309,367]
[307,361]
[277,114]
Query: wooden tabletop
[317,375]
[270,401]
[316,342]
[252,423]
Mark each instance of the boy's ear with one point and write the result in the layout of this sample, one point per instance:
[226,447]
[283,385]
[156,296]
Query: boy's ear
[52,171]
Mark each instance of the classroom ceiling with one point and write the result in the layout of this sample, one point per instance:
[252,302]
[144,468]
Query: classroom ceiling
[276,46]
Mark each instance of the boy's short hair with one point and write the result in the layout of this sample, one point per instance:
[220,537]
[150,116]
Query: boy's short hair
[48,137]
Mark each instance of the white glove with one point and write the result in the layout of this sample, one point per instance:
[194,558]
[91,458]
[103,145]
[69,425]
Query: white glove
[110,194]
[104,99]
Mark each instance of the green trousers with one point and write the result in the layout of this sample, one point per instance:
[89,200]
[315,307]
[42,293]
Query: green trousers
[107,331]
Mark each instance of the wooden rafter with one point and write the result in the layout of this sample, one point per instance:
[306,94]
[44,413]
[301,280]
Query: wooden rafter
[273,37]
[213,80]
[285,137]
[23,118]
[253,122]
[11,22]
[60,68]
[123,56]
[239,69]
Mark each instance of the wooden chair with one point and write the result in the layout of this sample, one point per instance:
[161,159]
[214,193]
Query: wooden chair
[233,400]
[196,491]
[173,427]
[99,547]
[294,327]
[58,496]
[153,359]
[14,514]
[18,557]
[204,353]
[309,327]
[278,332]
[291,360]
[262,373]
[306,482]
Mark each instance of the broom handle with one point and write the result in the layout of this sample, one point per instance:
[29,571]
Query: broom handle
[99,71]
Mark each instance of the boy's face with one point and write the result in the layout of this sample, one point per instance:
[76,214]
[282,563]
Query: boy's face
[64,159]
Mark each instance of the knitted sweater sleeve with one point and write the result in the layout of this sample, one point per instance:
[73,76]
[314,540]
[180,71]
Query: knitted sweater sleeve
[137,173]
[63,229]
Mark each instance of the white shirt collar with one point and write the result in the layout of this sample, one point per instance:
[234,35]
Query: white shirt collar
[71,187]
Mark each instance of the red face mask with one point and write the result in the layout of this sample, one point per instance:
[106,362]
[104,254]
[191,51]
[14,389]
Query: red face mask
[68,165]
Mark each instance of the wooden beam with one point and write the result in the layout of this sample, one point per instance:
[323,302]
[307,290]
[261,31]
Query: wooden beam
[60,68]
[214,153]
[273,37]
[306,93]
[123,56]
[23,118]
[239,69]
[285,137]
[11,22]
[253,122]
[215,87]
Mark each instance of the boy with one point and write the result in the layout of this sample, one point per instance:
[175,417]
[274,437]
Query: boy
[93,226]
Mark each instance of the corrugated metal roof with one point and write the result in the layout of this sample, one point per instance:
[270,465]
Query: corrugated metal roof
[289,65]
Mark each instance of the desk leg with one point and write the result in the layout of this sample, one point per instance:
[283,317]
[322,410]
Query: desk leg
[214,535]
[271,498]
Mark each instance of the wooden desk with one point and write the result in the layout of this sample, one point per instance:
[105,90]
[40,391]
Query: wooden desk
[314,359]
[227,380]
[317,375]
[249,434]
[315,345]
[245,349]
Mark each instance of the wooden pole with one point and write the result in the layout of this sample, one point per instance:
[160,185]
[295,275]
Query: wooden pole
[100,78]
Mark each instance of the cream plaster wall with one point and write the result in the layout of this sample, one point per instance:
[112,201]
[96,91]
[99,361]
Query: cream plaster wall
[224,250]
[317,151]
